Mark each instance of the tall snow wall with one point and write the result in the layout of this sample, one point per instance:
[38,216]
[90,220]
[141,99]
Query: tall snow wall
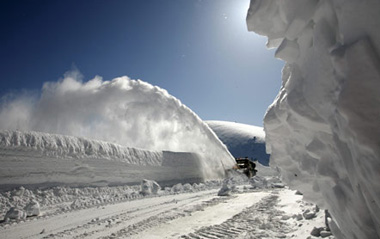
[35,159]
[323,128]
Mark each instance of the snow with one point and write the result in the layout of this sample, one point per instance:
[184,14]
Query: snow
[242,140]
[210,216]
[322,130]
[124,159]
[32,208]
[105,121]
[227,188]
[15,213]
[149,187]
[34,159]
[290,203]
[179,211]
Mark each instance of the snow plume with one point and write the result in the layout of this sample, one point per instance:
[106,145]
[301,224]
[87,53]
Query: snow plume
[323,129]
[128,112]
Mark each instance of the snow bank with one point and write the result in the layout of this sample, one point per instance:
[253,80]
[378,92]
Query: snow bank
[323,129]
[242,140]
[40,159]
[69,147]
[46,202]
[122,112]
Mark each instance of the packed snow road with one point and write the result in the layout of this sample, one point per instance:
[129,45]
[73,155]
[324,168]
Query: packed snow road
[247,213]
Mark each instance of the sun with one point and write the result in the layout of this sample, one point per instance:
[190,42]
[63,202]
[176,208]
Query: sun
[239,9]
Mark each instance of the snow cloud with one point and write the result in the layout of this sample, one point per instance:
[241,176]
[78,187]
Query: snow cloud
[128,112]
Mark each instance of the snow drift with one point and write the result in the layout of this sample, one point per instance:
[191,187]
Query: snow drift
[323,129]
[122,113]
[242,140]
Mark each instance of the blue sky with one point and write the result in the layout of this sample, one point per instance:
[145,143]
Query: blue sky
[198,50]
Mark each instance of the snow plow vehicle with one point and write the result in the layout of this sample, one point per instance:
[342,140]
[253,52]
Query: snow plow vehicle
[247,166]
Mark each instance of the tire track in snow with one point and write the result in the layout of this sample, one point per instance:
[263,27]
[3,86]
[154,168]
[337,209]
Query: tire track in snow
[166,217]
[212,212]
[132,223]
[103,220]
[142,222]
[261,220]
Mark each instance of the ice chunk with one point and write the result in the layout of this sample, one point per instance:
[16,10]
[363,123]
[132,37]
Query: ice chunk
[227,188]
[316,231]
[149,187]
[177,188]
[32,208]
[15,213]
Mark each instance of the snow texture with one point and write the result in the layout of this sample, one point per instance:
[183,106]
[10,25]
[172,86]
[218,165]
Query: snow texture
[242,140]
[124,112]
[323,129]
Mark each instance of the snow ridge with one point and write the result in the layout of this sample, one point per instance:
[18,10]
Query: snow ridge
[61,146]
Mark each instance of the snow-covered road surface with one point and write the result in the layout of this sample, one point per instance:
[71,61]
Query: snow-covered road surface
[93,222]
[246,214]
[217,210]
